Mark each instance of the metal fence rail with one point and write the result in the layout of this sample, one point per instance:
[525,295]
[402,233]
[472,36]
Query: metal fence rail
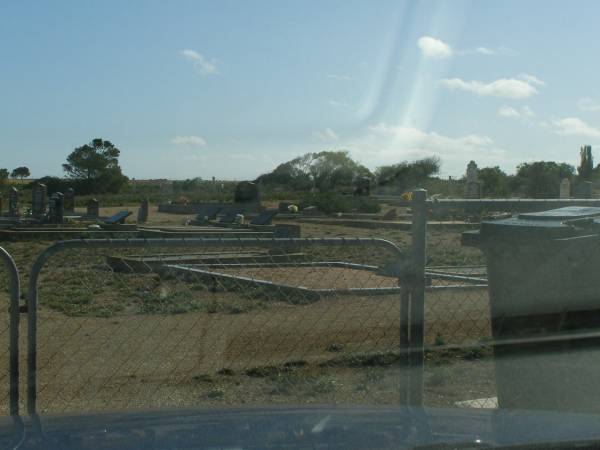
[14,292]
[358,294]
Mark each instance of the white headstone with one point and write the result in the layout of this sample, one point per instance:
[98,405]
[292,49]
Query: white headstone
[472,172]
[473,188]
[565,188]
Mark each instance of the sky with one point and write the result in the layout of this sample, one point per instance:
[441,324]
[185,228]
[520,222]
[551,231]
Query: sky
[231,89]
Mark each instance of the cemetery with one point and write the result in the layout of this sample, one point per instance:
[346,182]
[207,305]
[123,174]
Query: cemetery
[288,290]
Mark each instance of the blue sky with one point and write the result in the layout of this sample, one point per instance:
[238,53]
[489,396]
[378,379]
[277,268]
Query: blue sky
[232,88]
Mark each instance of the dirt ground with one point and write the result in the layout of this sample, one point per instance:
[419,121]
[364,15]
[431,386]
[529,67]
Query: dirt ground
[342,349]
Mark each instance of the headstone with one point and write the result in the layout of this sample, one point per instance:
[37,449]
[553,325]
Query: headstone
[93,208]
[392,214]
[56,208]
[583,189]
[69,200]
[473,187]
[565,188]
[13,202]
[143,211]
[39,193]
[246,192]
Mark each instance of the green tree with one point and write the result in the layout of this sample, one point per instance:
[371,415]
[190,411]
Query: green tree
[3,176]
[494,182]
[96,167]
[406,175]
[541,179]
[20,172]
[586,165]
[324,170]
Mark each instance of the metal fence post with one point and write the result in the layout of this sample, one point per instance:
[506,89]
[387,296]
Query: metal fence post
[15,293]
[417,301]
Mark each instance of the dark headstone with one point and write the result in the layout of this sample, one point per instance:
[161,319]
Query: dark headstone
[265,217]
[69,200]
[143,211]
[13,202]
[392,214]
[39,193]
[56,208]
[582,189]
[230,216]
[283,207]
[246,192]
[93,208]
[117,218]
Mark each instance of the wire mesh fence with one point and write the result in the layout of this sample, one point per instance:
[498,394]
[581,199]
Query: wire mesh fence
[459,368]
[9,327]
[233,322]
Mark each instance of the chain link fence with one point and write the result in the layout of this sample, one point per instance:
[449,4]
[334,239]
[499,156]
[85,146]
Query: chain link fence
[459,369]
[9,334]
[119,324]
[123,324]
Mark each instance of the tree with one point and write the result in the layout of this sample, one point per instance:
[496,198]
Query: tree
[3,176]
[407,175]
[96,167]
[586,166]
[541,179]
[20,172]
[324,170]
[494,182]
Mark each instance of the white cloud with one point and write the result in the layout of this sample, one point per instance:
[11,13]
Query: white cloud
[202,65]
[573,126]
[485,51]
[527,111]
[327,135]
[509,111]
[504,87]
[337,104]
[335,76]
[531,79]
[588,104]
[388,144]
[191,141]
[434,48]
[507,51]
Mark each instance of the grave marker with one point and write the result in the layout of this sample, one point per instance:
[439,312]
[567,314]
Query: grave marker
[565,188]
[56,208]
[473,185]
[69,200]
[39,194]
[143,211]
[13,202]
[93,208]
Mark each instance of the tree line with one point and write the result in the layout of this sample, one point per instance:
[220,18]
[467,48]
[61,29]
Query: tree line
[94,168]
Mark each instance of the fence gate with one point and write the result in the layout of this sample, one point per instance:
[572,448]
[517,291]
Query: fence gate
[117,324]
